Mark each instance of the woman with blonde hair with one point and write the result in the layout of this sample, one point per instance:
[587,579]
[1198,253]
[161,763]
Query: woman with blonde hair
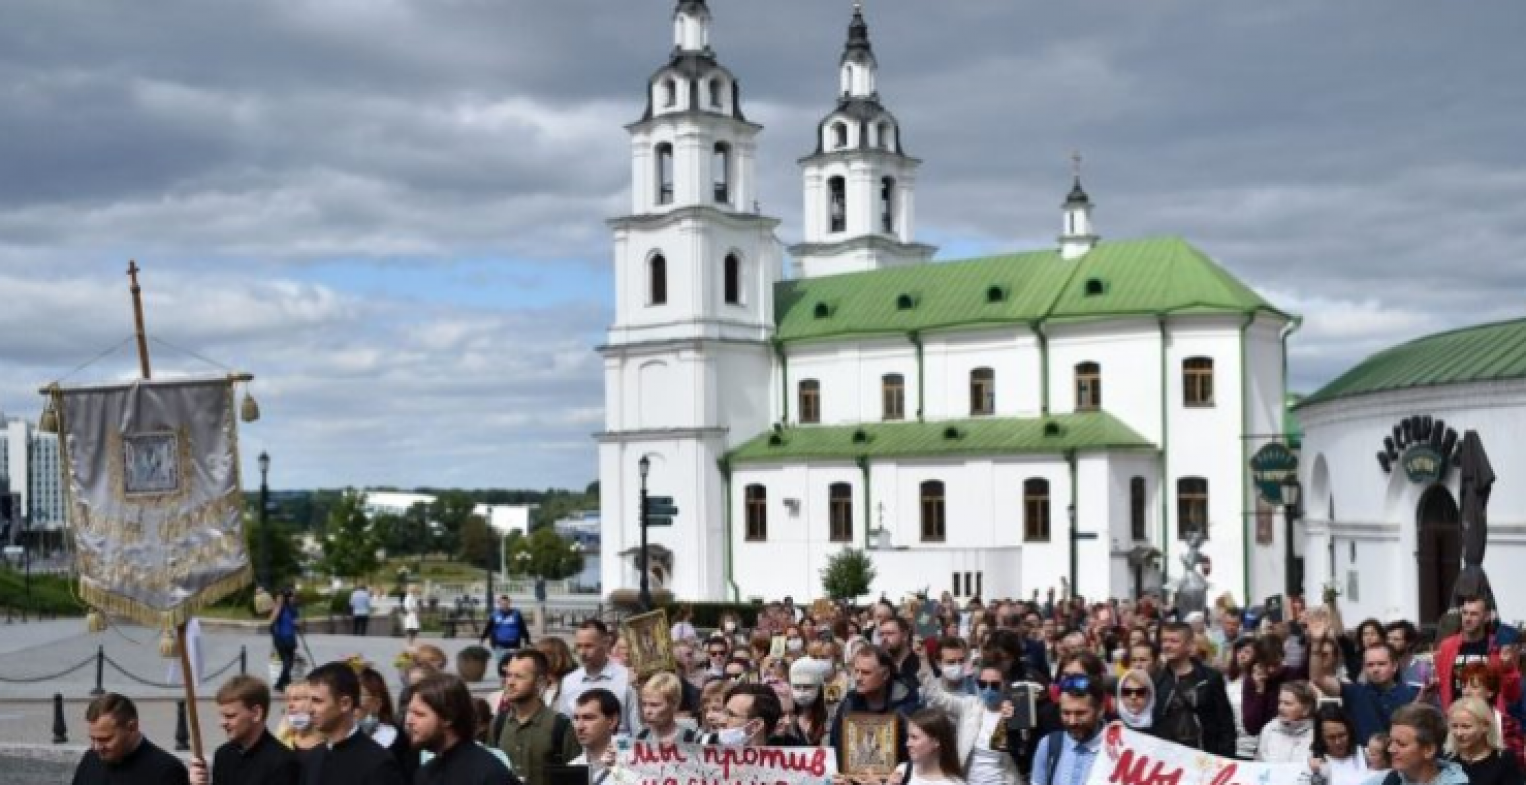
[1290,737]
[660,697]
[1473,742]
[296,729]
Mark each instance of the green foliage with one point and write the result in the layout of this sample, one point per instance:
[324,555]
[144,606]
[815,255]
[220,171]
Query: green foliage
[284,562]
[349,545]
[547,556]
[50,593]
[479,543]
[848,575]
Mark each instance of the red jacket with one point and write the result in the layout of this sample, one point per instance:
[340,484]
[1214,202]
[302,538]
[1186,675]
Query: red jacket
[1510,672]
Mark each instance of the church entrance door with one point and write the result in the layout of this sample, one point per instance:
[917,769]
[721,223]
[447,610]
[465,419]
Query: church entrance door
[1440,551]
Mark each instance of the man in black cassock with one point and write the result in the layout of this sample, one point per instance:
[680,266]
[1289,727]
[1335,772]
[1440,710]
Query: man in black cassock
[442,720]
[349,757]
[118,754]
[252,755]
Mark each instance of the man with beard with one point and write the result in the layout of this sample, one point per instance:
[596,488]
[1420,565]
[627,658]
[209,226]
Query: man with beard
[441,719]
[1067,755]
[252,755]
[348,756]
[535,736]
[895,639]
[118,753]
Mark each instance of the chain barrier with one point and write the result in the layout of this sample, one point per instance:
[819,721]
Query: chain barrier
[163,685]
[36,679]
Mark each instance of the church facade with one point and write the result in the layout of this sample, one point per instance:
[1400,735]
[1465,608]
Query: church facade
[989,427]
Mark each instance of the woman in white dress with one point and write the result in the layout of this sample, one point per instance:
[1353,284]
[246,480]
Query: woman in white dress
[411,605]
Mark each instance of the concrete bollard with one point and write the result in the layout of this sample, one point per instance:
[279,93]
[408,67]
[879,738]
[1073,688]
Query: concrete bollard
[60,730]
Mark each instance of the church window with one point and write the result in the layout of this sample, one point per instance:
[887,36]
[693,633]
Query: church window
[733,280]
[1036,510]
[717,93]
[810,401]
[669,93]
[1191,507]
[839,135]
[934,519]
[1137,504]
[887,205]
[840,504]
[1088,387]
[720,165]
[664,173]
[982,391]
[885,132]
[1197,381]
[757,513]
[837,204]
[893,395]
[657,280]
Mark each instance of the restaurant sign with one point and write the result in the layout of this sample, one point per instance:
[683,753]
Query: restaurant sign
[1269,467]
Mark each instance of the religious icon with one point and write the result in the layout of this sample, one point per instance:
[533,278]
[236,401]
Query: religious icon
[151,463]
[651,643]
[869,743]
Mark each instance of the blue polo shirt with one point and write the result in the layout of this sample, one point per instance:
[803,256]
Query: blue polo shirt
[1371,708]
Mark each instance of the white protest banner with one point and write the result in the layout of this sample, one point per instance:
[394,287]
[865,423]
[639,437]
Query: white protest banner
[646,763]
[1131,758]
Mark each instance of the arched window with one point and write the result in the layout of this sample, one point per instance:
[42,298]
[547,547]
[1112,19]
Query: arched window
[1036,510]
[664,173]
[934,520]
[720,168]
[840,508]
[1197,381]
[1137,506]
[810,401]
[887,205]
[893,396]
[717,93]
[757,513]
[1088,387]
[885,141]
[657,280]
[669,93]
[839,135]
[733,280]
[982,391]
[837,204]
[1191,507]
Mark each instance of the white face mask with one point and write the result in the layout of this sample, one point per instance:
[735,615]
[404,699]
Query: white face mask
[805,696]
[733,737]
[299,721]
[953,672]
[794,644]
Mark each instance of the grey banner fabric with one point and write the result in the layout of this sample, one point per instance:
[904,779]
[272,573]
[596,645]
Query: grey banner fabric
[156,508]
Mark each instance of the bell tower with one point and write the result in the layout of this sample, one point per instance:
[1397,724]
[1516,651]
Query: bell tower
[860,185]
[687,361]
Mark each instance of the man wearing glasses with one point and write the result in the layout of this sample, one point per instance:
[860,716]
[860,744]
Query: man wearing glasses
[751,714]
[1065,757]
[716,652]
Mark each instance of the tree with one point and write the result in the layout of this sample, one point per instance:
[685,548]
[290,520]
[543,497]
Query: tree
[284,563]
[549,556]
[479,543]
[848,575]
[349,543]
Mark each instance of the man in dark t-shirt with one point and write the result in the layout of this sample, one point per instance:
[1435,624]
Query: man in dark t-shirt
[118,754]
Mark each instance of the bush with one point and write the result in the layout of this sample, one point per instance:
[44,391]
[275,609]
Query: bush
[848,575]
[51,594]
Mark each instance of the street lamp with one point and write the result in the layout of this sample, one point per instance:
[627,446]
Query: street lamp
[1075,538]
[265,520]
[644,466]
[1292,568]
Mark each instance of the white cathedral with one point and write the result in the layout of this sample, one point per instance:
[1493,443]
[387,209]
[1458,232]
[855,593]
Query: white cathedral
[990,427]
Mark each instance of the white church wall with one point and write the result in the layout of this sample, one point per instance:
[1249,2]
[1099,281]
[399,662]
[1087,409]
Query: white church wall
[951,357]
[1129,355]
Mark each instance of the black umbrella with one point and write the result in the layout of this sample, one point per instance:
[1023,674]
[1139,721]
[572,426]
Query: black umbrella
[1477,479]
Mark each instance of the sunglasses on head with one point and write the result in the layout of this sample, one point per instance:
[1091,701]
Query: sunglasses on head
[988,685]
[1076,685]
[1135,692]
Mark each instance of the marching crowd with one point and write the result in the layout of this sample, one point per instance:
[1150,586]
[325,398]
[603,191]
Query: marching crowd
[982,693]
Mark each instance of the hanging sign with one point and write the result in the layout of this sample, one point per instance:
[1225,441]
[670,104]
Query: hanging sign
[1422,446]
[1272,464]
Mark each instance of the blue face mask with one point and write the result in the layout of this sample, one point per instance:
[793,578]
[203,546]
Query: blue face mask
[991,698]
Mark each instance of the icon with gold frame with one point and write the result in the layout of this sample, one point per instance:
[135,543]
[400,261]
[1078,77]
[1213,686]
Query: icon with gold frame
[869,743]
[650,642]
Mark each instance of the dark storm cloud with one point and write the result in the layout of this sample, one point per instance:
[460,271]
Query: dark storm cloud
[1357,162]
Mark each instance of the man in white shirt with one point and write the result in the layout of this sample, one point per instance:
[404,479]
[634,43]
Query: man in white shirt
[360,611]
[595,721]
[591,642]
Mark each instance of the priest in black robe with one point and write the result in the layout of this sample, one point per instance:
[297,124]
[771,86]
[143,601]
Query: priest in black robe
[349,757]
[252,755]
[442,721]
[119,754]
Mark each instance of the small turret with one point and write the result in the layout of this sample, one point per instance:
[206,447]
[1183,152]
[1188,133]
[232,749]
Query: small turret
[1077,236]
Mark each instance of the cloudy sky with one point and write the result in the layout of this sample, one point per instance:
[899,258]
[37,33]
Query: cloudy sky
[393,211]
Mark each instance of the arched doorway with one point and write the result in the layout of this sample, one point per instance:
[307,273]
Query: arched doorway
[1440,551]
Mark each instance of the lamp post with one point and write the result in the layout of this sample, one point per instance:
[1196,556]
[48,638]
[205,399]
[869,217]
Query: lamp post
[1075,542]
[265,520]
[644,466]
[1292,569]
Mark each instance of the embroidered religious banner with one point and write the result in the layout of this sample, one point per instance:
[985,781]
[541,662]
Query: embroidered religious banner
[650,763]
[155,505]
[1131,758]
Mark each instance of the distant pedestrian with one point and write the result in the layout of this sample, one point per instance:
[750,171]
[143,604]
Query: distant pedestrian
[119,754]
[506,630]
[411,605]
[360,611]
[252,755]
[283,634]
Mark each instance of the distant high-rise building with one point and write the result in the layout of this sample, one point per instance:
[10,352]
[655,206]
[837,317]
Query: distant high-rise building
[29,461]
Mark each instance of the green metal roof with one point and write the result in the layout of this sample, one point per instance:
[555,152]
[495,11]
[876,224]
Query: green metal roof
[1483,353]
[981,436]
[1154,276]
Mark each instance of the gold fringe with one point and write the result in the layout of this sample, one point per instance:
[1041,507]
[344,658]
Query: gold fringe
[117,605]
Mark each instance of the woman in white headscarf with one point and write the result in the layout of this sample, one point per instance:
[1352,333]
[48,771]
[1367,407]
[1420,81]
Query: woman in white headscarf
[1136,701]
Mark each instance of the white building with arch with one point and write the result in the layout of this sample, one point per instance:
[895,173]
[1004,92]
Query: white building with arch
[953,417]
[1380,479]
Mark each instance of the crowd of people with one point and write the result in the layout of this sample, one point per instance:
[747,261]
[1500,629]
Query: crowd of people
[983,693]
